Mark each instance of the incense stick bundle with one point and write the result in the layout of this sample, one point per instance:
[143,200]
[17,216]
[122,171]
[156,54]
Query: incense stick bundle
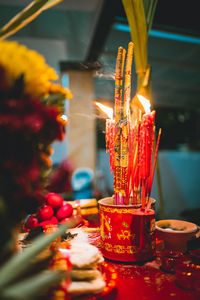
[125,123]
[131,143]
[118,114]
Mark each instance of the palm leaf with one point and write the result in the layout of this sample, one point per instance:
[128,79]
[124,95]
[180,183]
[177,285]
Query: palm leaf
[38,265]
[140,18]
[32,287]
[19,263]
[149,12]
[28,14]
[136,18]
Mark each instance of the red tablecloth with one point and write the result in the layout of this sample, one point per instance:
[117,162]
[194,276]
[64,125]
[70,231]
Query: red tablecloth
[147,282]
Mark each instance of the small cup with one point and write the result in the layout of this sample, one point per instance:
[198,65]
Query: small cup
[188,276]
[175,233]
[195,256]
[170,259]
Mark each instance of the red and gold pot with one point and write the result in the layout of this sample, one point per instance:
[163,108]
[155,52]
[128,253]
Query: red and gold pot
[127,232]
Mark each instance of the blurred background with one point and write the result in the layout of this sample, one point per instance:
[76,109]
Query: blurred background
[80,38]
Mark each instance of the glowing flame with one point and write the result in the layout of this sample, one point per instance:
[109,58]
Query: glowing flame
[107,110]
[145,103]
[65,252]
[64,117]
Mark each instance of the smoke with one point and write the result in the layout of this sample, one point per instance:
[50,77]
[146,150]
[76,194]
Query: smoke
[82,115]
[109,76]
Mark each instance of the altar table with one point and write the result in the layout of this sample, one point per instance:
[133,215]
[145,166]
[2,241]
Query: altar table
[147,282]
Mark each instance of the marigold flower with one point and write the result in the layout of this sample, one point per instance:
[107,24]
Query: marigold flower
[16,59]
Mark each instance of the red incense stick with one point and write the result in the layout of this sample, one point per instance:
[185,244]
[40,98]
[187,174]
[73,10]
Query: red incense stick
[155,158]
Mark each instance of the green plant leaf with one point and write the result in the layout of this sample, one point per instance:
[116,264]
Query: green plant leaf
[149,7]
[28,14]
[32,287]
[140,14]
[38,265]
[51,3]
[57,100]
[18,264]
[136,18]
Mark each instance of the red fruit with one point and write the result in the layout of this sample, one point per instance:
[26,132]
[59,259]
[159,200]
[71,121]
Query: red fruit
[54,200]
[65,220]
[31,222]
[44,223]
[54,220]
[65,211]
[78,219]
[45,213]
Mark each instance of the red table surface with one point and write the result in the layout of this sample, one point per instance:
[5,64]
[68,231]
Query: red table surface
[147,282]
[144,282]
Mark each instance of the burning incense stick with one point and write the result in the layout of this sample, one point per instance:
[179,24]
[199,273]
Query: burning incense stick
[118,115]
[154,163]
[127,83]
[125,123]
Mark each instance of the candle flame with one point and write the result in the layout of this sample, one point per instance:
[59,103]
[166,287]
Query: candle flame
[64,117]
[145,103]
[65,252]
[106,109]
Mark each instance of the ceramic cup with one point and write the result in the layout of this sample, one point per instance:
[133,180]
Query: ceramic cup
[175,233]
[127,232]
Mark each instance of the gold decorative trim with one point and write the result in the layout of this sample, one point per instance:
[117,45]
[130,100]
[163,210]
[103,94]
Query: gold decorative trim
[118,210]
[125,234]
[120,248]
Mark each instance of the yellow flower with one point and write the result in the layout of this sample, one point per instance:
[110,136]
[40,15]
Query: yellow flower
[58,89]
[17,60]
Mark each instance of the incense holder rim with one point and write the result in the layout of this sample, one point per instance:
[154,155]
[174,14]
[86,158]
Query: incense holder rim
[108,201]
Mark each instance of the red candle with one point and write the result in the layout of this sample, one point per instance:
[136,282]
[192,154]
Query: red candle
[108,125]
[110,129]
[145,151]
[146,139]
[111,144]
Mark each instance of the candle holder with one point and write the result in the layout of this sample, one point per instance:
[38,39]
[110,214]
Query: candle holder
[127,232]
[170,259]
[188,276]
